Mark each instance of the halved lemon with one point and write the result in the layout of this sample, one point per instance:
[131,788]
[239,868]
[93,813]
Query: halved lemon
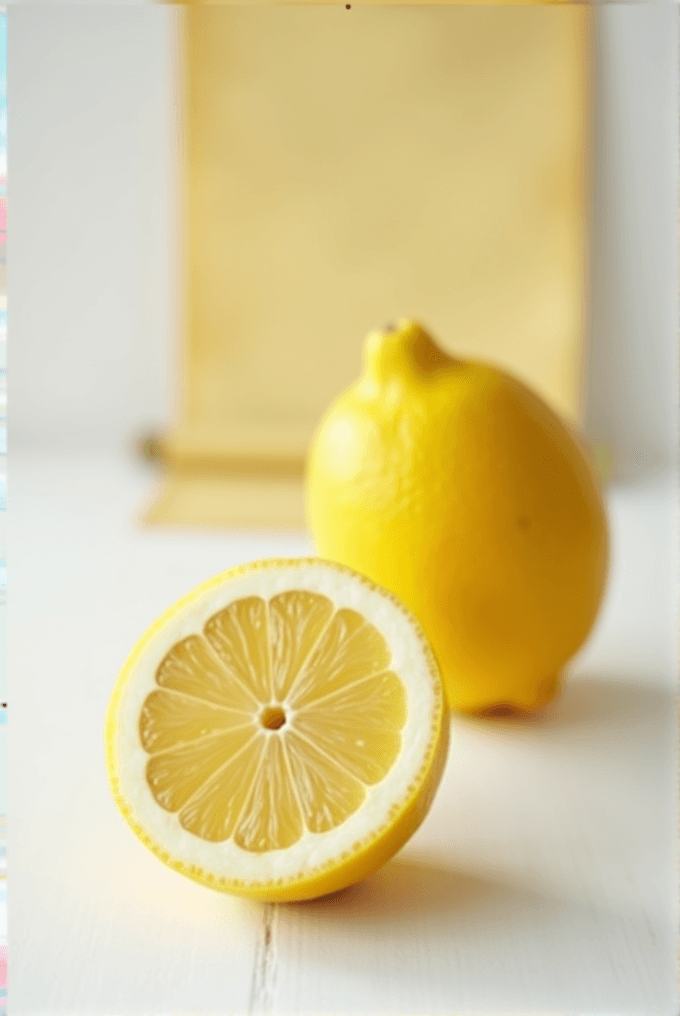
[280,732]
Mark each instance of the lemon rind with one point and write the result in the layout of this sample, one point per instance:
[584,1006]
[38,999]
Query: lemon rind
[367,853]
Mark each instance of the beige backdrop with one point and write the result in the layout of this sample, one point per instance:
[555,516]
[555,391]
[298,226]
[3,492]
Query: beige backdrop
[346,168]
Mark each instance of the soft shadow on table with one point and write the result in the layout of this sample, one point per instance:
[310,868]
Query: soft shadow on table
[454,922]
[612,722]
[587,706]
[461,909]
[403,888]
[592,699]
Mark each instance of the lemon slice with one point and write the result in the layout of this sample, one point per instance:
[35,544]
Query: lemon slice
[279,732]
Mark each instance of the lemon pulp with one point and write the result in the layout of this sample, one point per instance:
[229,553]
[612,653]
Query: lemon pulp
[280,732]
[261,726]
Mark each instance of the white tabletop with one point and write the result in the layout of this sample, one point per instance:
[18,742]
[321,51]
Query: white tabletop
[543,878]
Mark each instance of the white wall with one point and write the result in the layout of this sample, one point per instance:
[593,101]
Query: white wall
[90,297]
[633,358]
[91,252]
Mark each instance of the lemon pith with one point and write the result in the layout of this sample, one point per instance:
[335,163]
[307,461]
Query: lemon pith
[454,485]
[272,747]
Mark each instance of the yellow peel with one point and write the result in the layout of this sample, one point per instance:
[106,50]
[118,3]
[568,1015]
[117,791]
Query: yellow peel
[280,732]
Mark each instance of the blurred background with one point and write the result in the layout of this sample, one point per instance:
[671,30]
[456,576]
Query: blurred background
[94,345]
[563,838]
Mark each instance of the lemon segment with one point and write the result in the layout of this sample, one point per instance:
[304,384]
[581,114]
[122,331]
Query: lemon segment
[280,732]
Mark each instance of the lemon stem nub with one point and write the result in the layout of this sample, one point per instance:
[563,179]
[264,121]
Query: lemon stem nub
[400,350]
[272,717]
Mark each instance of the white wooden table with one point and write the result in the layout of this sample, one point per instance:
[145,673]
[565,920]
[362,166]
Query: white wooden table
[544,878]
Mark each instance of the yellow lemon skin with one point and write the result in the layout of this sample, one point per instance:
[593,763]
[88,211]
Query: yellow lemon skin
[454,485]
[364,860]
[361,858]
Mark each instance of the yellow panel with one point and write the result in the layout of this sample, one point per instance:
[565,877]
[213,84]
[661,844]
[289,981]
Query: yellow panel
[346,168]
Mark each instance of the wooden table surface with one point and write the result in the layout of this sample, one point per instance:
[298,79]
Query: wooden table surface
[544,878]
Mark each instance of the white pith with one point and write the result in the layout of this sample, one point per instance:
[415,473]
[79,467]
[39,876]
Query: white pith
[410,661]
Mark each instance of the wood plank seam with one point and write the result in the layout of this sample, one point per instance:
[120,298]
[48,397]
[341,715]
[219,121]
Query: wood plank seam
[263,982]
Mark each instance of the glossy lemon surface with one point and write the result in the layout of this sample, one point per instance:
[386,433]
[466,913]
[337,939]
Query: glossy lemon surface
[278,733]
[454,485]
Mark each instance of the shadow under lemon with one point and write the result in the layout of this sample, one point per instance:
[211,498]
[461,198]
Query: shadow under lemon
[610,722]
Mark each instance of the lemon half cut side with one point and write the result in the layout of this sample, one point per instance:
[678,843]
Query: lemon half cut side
[280,732]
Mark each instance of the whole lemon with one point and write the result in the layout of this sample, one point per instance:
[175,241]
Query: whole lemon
[454,485]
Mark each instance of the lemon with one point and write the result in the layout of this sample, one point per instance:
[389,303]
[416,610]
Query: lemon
[279,733]
[454,485]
